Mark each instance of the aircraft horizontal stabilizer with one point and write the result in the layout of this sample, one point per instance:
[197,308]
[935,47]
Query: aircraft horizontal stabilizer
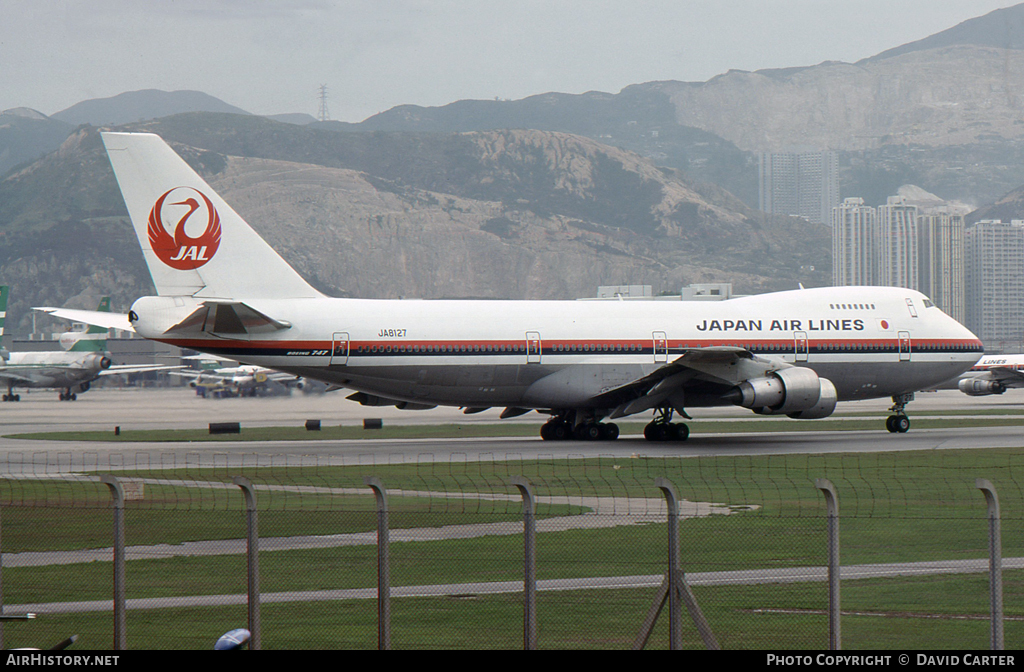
[228,317]
[93,317]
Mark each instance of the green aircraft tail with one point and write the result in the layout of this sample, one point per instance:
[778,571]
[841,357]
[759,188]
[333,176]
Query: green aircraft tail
[3,310]
[95,338]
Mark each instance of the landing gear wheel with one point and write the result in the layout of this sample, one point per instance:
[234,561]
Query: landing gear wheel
[555,430]
[609,431]
[589,431]
[666,431]
[897,424]
[682,431]
[656,431]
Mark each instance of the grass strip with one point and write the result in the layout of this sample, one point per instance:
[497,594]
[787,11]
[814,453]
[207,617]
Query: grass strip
[453,431]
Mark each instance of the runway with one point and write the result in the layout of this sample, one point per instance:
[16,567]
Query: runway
[176,408]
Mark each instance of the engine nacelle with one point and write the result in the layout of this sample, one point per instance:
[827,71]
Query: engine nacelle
[97,361]
[979,387]
[825,406]
[796,391]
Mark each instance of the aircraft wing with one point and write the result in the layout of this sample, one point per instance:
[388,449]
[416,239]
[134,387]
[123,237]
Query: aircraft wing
[1007,376]
[7,377]
[94,317]
[137,368]
[725,365]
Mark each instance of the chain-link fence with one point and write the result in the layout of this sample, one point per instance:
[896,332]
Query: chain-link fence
[753,540]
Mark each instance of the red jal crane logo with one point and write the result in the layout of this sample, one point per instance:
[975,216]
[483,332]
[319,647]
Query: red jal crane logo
[170,240]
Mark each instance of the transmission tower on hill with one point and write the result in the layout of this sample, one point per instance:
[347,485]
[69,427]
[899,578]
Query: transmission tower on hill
[324,114]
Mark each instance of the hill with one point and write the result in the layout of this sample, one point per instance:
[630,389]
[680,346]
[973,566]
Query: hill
[132,106]
[26,134]
[1000,29]
[501,214]
[635,120]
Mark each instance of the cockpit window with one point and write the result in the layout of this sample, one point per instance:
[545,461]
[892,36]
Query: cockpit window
[928,303]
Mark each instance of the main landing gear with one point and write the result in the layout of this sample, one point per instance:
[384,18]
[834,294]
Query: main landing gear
[561,428]
[11,396]
[663,429]
[899,423]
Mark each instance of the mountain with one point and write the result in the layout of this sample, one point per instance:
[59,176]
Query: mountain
[937,97]
[500,214]
[636,120]
[26,134]
[1009,207]
[1000,29]
[132,106]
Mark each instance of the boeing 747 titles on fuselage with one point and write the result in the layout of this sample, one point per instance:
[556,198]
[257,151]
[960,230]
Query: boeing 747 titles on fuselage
[222,290]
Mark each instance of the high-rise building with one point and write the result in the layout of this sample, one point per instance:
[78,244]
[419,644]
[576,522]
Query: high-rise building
[897,244]
[994,266]
[802,184]
[940,261]
[854,230]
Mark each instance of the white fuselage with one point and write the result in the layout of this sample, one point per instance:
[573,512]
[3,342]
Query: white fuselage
[50,369]
[869,341]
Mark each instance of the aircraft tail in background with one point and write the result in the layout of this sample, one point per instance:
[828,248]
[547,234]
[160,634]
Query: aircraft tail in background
[94,339]
[4,290]
[193,242]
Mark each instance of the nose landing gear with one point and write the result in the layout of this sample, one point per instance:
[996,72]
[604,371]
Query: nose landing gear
[899,423]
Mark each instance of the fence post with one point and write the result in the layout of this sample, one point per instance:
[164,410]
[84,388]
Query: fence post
[835,641]
[383,565]
[675,632]
[675,586]
[995,562]
[252,552]
[529,562]
[117,504]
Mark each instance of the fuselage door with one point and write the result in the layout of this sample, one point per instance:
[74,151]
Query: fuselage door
[800,348]
[660,347]
[533,347]
[904,337]
[339,350]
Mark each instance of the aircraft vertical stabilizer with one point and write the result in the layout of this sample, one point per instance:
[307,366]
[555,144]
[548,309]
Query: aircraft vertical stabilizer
[193,242]
[3,317]
[93,339]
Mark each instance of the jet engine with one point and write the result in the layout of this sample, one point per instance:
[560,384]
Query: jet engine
[796,392]
[979,387]
[97,361]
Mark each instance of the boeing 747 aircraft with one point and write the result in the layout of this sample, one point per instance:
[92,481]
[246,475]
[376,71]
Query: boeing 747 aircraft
[993,374]
[222,290]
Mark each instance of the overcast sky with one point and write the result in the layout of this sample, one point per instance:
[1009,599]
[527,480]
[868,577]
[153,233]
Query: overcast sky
[271,57]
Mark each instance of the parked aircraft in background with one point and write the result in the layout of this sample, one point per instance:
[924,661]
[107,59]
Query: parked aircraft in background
[72,372]
[223,290]
[218,380]
[993,374]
